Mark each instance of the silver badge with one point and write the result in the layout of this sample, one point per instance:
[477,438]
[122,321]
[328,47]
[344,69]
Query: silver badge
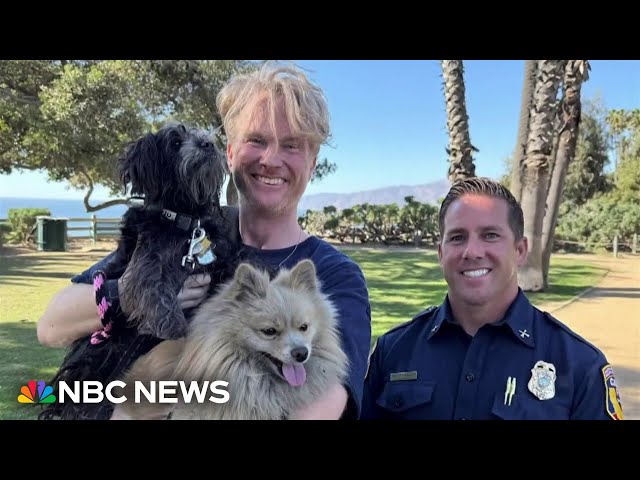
[543,380]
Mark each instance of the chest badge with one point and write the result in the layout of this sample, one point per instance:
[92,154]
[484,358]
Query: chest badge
[543,380]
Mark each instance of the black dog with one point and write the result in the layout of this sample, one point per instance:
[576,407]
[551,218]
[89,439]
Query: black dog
[179,230]
[180,173]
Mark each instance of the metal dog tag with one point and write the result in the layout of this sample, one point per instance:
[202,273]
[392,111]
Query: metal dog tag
[193,243]
[201,246]
[206,258]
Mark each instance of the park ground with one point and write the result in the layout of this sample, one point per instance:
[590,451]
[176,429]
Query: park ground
[608,315]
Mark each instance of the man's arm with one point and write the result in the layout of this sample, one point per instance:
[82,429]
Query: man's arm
[598,398]
[72,312]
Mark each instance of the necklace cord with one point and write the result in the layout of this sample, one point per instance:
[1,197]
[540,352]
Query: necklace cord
[294,250]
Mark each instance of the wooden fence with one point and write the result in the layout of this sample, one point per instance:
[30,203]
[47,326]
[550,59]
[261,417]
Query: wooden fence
[91,228]
[95,228]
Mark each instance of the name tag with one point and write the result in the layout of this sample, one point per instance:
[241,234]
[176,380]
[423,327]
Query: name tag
[400,376]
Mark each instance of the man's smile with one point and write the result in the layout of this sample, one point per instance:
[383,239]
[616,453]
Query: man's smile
[269,180]
[479,272]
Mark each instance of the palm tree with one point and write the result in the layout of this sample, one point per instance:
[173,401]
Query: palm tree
[535,168]
[576,72]
[459,151]
[530,70]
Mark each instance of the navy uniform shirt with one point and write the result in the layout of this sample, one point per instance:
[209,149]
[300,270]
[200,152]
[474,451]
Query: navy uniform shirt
[527,366]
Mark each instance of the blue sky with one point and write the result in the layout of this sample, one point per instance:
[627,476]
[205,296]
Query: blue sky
[389,120]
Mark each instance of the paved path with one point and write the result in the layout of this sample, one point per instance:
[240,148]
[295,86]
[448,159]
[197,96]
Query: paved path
[608,315]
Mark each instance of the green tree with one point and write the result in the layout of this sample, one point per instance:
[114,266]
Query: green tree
[586,176]
[73,118]
[625,126]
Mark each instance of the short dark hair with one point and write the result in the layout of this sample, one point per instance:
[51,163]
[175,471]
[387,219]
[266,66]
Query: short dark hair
[490,188]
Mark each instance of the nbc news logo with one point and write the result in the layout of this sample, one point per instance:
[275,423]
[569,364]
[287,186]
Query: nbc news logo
[36,392]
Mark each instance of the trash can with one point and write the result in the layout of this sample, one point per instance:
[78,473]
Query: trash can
[52,234]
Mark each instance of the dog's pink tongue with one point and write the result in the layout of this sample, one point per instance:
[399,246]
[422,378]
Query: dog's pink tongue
[294,373]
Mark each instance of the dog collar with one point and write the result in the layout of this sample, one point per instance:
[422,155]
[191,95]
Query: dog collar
[182,221]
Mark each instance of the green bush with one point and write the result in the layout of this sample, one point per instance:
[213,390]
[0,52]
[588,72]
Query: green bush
[5,229]
[22,222]
[599,220]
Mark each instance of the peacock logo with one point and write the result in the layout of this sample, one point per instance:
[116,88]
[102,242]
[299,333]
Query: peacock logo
[36,392]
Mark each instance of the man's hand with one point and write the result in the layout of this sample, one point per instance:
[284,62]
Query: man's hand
[194,290]
[328,407]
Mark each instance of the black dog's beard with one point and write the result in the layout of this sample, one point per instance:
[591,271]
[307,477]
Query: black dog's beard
[201,179]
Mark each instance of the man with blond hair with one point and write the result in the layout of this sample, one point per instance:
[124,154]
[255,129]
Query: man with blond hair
[275,120]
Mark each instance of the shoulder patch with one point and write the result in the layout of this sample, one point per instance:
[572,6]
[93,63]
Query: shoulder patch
[612,396]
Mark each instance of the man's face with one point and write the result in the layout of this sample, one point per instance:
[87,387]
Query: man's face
[271,169]
[478,252]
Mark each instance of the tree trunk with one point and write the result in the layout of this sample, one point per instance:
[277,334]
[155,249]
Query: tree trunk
[460,159]
[530,70]
[535,178]
[575,74]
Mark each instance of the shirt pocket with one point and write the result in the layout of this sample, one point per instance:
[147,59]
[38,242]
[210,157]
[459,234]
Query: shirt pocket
[526,407]
[406,399]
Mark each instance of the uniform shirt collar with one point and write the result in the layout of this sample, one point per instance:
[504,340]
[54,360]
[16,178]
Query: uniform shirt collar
[518,317]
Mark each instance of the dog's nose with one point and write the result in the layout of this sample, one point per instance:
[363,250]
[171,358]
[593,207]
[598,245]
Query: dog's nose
[300,354]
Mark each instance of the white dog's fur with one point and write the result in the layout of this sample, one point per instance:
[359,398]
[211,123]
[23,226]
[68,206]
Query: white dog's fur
[248,335]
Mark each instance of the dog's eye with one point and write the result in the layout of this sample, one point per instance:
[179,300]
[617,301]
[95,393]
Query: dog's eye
[270,332]
[304,327]
[177,143]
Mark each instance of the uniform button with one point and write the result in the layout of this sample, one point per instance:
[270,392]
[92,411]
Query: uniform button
[397,403]
[463,418]
[470,377]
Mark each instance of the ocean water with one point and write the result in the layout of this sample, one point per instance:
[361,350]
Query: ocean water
[62,209]
[59,208]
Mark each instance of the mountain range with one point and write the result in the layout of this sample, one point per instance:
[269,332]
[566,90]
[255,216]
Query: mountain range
[425,193]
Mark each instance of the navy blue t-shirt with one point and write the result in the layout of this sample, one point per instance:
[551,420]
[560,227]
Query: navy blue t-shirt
[527,366]
[343,281]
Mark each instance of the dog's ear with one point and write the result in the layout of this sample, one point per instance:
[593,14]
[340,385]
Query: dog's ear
[138,166]
[301,277]
[249,282]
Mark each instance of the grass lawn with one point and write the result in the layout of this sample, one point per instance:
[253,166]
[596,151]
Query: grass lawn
[27,283]
[401,284]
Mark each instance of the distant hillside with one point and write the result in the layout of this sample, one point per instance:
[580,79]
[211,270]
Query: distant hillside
[426,193]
